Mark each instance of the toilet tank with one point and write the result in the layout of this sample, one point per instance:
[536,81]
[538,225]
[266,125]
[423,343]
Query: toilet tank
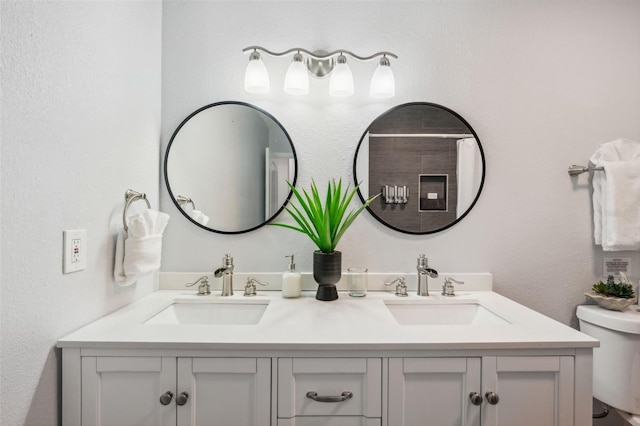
[616,363]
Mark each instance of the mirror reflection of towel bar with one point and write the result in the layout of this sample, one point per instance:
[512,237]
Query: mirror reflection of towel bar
[130,196]
[185,200]
[575,170]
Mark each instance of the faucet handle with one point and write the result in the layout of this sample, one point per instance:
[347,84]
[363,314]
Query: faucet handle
[401,286]
[447,287]
[203,285]
[250,286]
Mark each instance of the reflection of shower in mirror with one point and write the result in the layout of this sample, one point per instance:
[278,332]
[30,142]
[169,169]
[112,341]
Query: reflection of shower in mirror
[432,151]
[469,173]
[395,194]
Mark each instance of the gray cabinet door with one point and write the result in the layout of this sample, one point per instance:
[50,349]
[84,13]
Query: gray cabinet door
[225,391]
[123,391]
[434,391]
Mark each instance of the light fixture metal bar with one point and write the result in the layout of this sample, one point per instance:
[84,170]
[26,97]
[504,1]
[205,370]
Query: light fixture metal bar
[320,56]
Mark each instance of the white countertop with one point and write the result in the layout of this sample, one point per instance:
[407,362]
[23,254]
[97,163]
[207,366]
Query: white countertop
[345,324]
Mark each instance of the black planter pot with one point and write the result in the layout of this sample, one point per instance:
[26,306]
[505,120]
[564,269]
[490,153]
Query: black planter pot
[327,270]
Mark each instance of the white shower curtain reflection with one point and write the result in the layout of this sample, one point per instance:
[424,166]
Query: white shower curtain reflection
[469,173]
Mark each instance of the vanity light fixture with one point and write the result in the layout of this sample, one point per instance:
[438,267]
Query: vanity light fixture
[319,64]
[256,76]
[383,85]
[341,81]
[296,81]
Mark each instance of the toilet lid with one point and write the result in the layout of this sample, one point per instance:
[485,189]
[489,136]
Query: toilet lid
[627,321]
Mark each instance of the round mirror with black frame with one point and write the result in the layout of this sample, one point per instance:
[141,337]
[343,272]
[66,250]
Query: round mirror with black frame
[428,164]
[227,166]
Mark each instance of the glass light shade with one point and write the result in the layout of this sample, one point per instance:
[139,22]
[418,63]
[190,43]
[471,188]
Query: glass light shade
[256,77]
[296,81]
[341,82]
[383,84]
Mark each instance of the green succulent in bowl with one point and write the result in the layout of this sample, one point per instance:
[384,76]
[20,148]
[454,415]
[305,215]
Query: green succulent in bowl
[623,289]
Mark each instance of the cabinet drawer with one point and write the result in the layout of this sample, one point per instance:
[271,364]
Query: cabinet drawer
[329,379]
[330,421]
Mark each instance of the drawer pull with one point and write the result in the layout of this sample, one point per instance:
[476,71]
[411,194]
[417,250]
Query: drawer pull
[345,395]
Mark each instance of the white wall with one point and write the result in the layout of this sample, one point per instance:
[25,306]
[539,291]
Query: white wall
[542,83]
[80,125]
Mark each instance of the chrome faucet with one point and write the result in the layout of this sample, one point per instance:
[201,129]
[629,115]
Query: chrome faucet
[226,272]
[423,273]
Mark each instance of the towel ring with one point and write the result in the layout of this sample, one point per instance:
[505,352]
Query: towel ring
[184,200]
[130,196]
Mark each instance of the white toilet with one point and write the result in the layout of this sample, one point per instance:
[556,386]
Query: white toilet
[616,363]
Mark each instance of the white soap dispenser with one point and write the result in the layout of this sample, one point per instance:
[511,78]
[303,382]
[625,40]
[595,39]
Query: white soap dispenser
[291,281]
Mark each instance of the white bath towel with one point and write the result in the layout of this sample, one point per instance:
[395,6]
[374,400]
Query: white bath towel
[616,195]
[139,250]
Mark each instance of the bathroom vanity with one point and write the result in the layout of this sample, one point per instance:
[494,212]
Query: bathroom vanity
[173,358]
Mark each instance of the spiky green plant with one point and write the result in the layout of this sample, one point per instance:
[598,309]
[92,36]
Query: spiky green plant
[623,289]
[323,223]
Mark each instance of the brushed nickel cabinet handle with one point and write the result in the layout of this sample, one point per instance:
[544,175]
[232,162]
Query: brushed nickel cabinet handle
[492,397]
[182,398]
[343,397]
[165,398]
[476,398]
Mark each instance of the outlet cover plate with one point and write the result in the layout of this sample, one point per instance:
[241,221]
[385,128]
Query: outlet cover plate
[74,254]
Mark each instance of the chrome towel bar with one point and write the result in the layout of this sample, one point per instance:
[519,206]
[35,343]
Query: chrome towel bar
[575,170]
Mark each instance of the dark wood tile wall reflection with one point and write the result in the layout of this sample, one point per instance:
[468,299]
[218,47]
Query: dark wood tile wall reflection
[400,161]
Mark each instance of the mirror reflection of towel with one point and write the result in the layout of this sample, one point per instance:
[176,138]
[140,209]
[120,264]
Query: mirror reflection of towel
[199,217]
[616,195]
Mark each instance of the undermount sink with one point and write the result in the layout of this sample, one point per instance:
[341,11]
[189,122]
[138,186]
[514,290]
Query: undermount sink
[210,312]
[464,312]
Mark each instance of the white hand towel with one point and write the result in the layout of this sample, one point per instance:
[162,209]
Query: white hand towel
[139,251]
[150,222]
[161,221]
[118,268]
[616,195]
[142,254]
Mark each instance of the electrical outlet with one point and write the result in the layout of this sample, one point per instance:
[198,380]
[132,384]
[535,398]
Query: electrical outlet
[74,250]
